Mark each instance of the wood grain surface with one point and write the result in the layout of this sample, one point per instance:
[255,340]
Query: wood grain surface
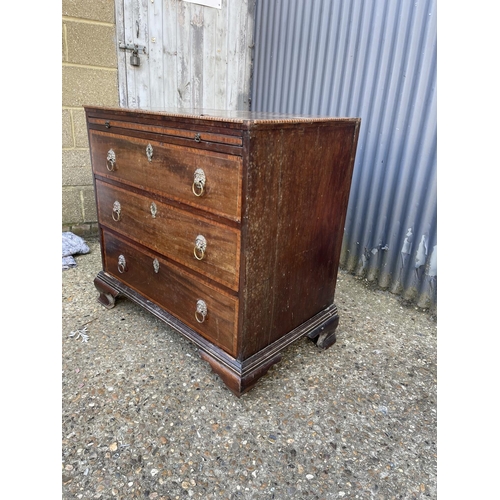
[174,290]
[172,232]
[171,171]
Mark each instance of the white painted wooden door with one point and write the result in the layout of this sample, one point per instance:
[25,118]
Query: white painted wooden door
[196,56]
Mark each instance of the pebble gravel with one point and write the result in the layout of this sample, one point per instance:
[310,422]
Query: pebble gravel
[143,417]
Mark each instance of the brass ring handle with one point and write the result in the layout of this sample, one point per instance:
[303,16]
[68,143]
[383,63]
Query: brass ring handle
[115,214]
[199,182]
[122,264]
[201,311]
[149,152]
[200,246]
[111,160]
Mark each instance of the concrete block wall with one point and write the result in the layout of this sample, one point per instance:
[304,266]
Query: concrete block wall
[89,76]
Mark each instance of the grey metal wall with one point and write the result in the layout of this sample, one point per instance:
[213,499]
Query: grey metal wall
[374,59]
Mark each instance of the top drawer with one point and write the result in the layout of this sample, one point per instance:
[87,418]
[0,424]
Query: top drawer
[202,179]
[194,133]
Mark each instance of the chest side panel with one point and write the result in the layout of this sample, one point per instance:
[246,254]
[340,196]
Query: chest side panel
[296,192]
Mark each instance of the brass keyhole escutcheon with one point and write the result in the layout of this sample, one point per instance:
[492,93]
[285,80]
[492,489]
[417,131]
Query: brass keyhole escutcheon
[154,210]
[156,266]
[149,152]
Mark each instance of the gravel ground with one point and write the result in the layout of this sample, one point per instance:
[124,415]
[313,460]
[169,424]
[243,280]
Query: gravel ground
[144,417]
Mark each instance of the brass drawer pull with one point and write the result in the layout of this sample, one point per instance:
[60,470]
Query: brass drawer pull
[117,208]
[154,210]
[200,245]
[111,160]
[197,137]
[156,265]
[201,311]
[122,264]
[149,152]
[199,182]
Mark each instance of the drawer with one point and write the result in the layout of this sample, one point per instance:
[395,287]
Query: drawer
[194,133]
[202,179]
[205,246]
[175,290]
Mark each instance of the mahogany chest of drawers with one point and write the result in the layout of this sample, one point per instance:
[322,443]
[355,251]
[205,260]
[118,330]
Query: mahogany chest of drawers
[226,225]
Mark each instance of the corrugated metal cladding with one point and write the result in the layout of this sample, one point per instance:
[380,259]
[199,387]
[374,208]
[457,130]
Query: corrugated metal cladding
[375,60]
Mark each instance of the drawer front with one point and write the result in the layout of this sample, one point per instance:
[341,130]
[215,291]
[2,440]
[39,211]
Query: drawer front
[208,247]
[176,291]
[195,133]
[202,179]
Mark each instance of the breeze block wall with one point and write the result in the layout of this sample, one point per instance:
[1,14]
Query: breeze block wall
[89,76]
